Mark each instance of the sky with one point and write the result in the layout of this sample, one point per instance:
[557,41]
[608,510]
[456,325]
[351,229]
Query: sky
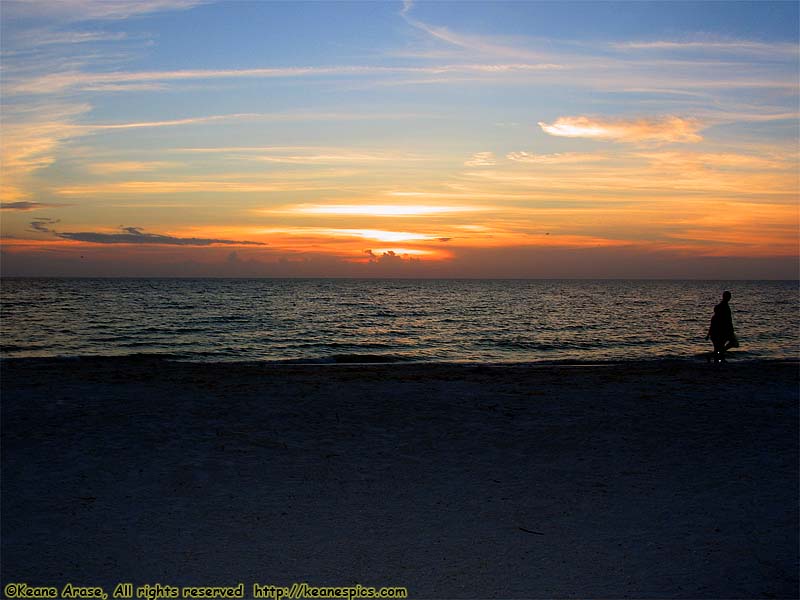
[399,139]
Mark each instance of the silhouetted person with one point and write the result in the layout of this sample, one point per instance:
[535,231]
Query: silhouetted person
[721,329]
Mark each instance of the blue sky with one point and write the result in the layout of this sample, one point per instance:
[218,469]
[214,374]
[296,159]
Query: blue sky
[518,130]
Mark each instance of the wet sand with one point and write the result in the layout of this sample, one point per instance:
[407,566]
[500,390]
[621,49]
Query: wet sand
[640,480]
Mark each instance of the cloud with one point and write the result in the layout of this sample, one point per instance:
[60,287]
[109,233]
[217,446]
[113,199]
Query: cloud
[42,225]
[47,37]
[381,210]
[379,235]
[286,183]
[124,87]
[717,117]
[554,159]
[134,235]
[25,206]
[471,43]
[31,137]
[91,10]
[129,166]
[717,160]
[646,130]
[59,82]
[481,159]
[174,122]
[633,181]
[723,65]
[268,117]
[393,256]
[308,154]
[33,134]
[733,46]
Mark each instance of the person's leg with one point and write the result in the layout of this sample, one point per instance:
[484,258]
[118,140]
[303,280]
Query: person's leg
[719,350]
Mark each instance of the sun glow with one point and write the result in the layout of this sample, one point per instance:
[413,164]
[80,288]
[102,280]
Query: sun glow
[379,210]
[438,155]
[383,236]
[582,129]
[399,252]
[378,235]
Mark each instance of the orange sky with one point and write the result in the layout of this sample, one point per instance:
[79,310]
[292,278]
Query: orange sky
[430,152]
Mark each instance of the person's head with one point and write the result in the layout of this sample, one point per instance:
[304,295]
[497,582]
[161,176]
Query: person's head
[726,296]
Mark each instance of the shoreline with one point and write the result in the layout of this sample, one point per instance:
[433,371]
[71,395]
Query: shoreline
[662,479]
[383,360]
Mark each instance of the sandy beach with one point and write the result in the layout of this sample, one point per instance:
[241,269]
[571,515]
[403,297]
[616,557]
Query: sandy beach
[640,480]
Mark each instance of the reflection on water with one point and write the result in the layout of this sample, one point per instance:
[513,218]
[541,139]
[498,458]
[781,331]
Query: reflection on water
[438,320]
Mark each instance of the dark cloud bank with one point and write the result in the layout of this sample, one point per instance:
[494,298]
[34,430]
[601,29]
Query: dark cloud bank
[24,206]
[117,260]
[132,235]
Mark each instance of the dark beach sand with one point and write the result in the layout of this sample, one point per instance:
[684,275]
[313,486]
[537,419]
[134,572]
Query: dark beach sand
[659,480]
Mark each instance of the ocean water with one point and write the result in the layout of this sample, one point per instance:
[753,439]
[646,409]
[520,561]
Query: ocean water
[340,320]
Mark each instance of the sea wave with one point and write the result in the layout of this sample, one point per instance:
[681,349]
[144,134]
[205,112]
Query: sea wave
[373,321]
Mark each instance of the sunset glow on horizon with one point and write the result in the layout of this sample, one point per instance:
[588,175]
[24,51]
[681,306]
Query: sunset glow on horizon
[407,139]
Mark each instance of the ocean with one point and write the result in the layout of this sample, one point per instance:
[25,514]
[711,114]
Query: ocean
[344,320]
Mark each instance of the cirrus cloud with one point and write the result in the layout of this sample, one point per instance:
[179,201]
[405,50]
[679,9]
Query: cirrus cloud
[645,130]
[554,159]
[481,159]
[66,11]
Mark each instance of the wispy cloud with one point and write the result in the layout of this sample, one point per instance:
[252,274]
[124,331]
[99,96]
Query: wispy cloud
[289,116]
[566,158]
[717,160]
[378,210]
[124,87]
[724,99]
[728,46]
[301,155]
[481,159]
[379,235]
[650,130]
[754,115]
[640,182]
[723,65]
[49,37]
[42,225]
[31,137]
[312,182]
[407,6]
[91,10]
[476,44]
[27,206]
[134,235]
[129,166]
[173,122]
[60,82]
